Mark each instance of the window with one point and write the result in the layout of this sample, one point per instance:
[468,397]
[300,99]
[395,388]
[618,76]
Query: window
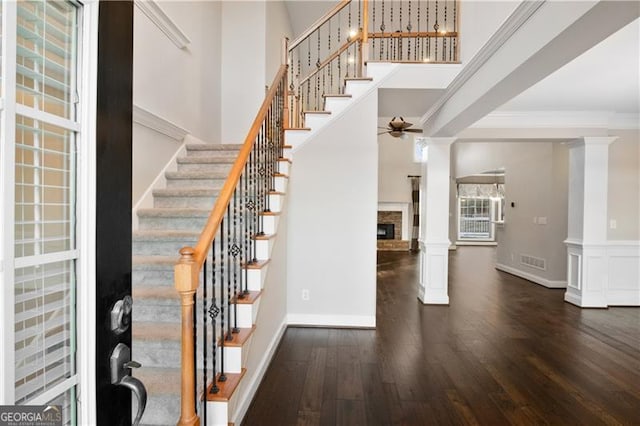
[40,132]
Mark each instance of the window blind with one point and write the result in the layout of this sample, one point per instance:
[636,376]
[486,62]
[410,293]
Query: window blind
[45,200]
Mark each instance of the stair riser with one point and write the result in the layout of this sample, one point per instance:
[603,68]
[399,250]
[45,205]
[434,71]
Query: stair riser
[152,276]
[176,223]
[161,248]
[316,121]
[281,184]
[295,138]
[356,87]
[270,224]
[336,105]
[283,167]
[255,278]
[275,202]
[218,413]
[195,183]
[164,311]
[183,202]
[263,249]
[204,167]
[247,314]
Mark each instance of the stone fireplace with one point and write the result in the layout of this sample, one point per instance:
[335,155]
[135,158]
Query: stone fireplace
[393,226]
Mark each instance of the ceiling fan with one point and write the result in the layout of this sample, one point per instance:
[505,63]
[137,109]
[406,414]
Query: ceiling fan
[398,127]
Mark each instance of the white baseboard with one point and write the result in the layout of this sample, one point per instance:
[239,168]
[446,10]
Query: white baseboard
[346,321]
[256,379]
[476,243]
[530,277]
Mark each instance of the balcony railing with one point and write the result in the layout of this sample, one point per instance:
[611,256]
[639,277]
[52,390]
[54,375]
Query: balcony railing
[353,33]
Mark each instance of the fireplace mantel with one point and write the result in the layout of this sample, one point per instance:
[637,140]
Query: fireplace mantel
[384,206]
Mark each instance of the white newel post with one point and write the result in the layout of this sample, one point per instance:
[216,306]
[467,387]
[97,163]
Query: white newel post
[587,265]
[434,241]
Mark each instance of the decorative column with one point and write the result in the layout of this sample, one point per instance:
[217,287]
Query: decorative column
[434,242]
[587,268]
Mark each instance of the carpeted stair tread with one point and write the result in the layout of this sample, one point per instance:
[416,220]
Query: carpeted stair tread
[214,147]
[177,212]
[206,160]
[164,235]
[185,192]
[196,174]
[159,381]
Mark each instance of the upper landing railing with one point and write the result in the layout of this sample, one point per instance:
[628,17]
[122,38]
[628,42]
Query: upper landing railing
[339,45]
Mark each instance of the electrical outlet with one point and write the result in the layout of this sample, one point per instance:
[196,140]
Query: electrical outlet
[305,294]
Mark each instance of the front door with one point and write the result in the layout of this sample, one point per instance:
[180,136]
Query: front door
[113,211]
[65,210]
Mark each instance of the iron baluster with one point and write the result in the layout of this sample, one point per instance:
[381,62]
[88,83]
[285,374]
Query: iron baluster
[228,335]
[223,375]
[205,348]
[213,314]
[195,350]
[235,251]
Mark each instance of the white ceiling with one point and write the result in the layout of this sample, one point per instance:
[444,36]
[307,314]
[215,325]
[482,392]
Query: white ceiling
[406,102]
[605,78]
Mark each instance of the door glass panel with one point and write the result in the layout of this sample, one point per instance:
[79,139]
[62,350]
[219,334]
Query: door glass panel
[45,188]
[45,61]
[45,205]
[44,327]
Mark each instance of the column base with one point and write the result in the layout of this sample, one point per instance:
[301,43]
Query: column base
[587,272]
[434,271]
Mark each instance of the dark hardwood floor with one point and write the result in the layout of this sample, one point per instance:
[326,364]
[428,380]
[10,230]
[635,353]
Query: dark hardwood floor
[505,351]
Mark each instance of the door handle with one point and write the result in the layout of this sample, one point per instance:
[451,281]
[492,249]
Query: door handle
[121,365]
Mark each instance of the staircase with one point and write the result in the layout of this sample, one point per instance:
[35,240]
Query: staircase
[179,213]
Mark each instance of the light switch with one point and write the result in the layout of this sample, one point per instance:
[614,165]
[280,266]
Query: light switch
[613,224]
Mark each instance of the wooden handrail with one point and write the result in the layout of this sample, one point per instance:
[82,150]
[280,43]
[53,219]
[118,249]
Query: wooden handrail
[334,55]
[414,34]
[330,14]
[219,209]
[187,269]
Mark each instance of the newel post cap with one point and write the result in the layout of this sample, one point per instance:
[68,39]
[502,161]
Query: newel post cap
[186,276]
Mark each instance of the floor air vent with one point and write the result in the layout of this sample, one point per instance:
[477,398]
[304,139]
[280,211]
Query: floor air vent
[534,262]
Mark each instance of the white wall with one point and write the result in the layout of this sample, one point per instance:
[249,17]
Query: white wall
[252,34]
[181,86]
[243,73]
[277,27]
[536,179]
[332,222]
[478,21]
[395,163]
[624,185]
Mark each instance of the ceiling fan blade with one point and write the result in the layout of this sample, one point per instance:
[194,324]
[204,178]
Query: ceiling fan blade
[385,128]
[384,133]
[406,125]
[413,130]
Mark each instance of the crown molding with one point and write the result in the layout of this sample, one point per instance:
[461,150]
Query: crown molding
[520,15]
[163,22]
[558,120]
[150,120]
